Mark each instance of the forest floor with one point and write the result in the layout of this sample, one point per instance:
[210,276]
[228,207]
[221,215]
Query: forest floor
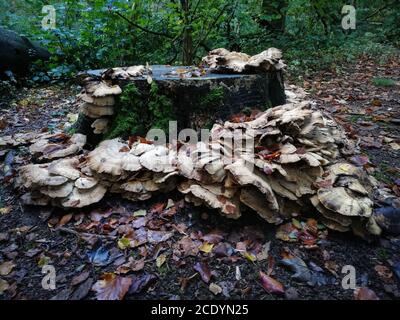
[193,253]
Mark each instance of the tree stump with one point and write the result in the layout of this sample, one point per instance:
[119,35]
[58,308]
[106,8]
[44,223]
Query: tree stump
[194,102]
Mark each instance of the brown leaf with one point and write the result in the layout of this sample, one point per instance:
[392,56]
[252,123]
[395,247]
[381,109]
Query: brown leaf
[64,220]
[360,160]
[132,266]
[288,233]
[365,294]
[384,272]
[6,268]
[112,287]
[141,283]
[204,271]
[158,208]
[80,278]
[214,237]
[98,215]
[158,236]
[271,285]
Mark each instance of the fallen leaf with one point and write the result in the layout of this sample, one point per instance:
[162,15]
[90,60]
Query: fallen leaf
[206,247]
[264,253]
[161,260]
[98,215]
[158,208]
[158,236]
[249,256]
[360,160]
[124,243]
[288,233]
[112,287]
[365,293]
[215,289]
[271,285]
[83,290]
[223,250]
[5,210]
[140,213]
[80,278]
[64,220]
[99,257]
[140,283]
[204,271]
[63,295]
[395,146]
[131,266]
[3,286]
[6,268]
[384,272]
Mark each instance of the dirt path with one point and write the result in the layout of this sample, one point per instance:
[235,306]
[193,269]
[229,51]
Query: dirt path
[180,250]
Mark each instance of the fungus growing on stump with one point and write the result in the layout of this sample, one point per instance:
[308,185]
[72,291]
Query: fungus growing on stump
[295,163]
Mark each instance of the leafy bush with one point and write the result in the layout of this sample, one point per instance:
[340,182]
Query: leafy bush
[92,34]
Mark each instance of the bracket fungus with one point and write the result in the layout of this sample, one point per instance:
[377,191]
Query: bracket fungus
[293,162]
[223,61]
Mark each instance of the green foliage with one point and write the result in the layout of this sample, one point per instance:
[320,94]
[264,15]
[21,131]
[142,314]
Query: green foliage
[383,82]
[139,112]
[93,34]
[128,120]
[214,98]
[160,108]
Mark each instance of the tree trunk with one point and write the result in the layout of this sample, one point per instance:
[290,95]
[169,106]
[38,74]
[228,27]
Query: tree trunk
[187,41]
[194,102]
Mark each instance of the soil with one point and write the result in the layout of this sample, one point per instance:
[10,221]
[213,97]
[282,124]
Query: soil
[31,237]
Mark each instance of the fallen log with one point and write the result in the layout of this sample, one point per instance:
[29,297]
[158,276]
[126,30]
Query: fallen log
[17,52]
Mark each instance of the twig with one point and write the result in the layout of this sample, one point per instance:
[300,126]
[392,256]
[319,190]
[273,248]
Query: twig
[379,10]
[211,28]
[133,24]
[84,234]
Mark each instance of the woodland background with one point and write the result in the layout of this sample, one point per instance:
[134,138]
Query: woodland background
[103,33]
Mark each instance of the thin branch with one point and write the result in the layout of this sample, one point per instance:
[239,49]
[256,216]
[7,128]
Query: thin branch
[201,42]
[379,10]
[83,234]
[133,24]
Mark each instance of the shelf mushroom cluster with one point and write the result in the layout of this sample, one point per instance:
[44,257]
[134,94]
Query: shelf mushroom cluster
[279,164]
[224,61]
[98,102]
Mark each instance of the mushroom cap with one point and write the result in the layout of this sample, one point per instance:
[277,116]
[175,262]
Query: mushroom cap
[141,148]
[103,90]
[136,71]
[102,102]
[333,225]
[256,201]
[95,112]
[345,202]
[63,145]
[37,199]
[245,176]
[159,159]
[37,175]
[83,198]
[62,191]
[66,168]
[229,207]
[85,183]
[328,214]
[267,60]
[131,163]
[107,158]
[100,126]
